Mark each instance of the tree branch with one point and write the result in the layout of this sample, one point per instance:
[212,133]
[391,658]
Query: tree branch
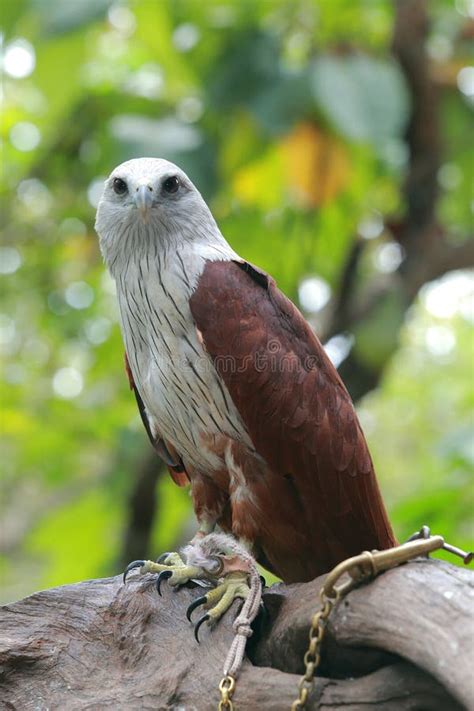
[421,187]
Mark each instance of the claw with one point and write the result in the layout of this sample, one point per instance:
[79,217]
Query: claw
[263,582]
[162,557]
[131,566]
[164,575]
[199,601]
[201,621]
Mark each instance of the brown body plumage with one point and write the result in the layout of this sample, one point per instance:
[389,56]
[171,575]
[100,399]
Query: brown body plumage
[313,484]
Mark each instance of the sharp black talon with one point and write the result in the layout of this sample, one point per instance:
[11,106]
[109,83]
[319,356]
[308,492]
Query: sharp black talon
[131,566]
[263,582]
[162,557]
[164,575]
[199,601]
[201,621]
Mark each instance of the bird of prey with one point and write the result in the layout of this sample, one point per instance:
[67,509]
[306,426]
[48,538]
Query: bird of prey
[235,390]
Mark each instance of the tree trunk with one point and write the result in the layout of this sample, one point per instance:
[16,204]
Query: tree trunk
[404,641]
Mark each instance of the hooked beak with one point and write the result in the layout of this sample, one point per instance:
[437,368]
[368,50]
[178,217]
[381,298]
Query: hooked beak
[144,201]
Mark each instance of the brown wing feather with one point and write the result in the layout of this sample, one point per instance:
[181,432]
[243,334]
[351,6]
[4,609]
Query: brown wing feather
[164,449]
[296,409]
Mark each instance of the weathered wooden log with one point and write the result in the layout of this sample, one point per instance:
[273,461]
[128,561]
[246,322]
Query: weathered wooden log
[404,641]
[421,612]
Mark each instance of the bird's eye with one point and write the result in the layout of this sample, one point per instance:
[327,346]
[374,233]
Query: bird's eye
[119,186]
[171,184]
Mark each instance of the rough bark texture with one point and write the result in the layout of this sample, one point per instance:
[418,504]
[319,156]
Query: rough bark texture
[405,641]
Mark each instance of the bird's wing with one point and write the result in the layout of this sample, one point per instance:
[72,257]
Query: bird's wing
[296,409]
[164,449]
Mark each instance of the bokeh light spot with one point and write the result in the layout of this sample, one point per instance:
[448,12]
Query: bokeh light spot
[7,329]
[465,81]
[25,136]
[94,191]
[449,176]
[34,196]
[440,341]
[19,59]
[122,19]
[388,257]
[147,81]
[314,293]
[338,348]
[371,226]
[453,293]
[439,47]
[79,295]
[98,330]
[186,36]
[10,260]
[465,7]
[68,383]
[190,109]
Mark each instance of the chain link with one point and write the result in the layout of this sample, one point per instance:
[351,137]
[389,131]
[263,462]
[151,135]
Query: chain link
[226,687]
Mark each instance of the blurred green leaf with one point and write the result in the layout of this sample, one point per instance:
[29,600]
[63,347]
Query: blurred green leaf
[362,97]
[61,16]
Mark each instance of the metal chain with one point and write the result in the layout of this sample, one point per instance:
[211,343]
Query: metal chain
[312,657]
[226,687]
[360,568]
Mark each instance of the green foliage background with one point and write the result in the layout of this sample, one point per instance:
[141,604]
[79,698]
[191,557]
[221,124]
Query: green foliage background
[242,95]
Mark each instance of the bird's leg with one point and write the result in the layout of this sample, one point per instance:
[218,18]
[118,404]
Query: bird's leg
[172,567]
[216,558]
[237,577]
